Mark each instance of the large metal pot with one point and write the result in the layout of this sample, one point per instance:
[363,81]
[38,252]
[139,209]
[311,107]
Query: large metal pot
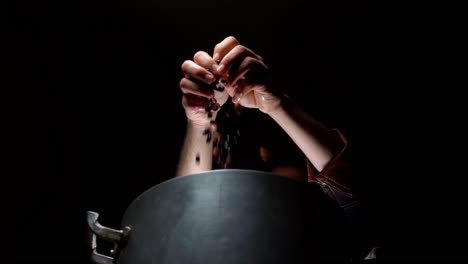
[221,216]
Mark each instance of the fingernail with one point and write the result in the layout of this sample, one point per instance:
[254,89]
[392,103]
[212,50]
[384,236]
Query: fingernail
[210,77]
[216,57]
[220,69]
[236,98]
[214,67]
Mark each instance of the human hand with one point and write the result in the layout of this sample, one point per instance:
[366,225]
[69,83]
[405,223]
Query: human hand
[200,98]
[247,76]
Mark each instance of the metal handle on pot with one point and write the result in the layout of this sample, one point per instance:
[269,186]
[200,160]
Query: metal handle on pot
[118,237]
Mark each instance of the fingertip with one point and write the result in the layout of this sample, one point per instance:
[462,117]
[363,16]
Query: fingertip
[216,57]
[182,82]
[221,68]
[237,97]
[210,78]
[214,67]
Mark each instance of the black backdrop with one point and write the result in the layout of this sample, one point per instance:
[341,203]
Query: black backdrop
[96,107]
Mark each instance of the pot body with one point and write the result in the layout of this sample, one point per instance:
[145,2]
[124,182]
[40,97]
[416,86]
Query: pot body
[221,216]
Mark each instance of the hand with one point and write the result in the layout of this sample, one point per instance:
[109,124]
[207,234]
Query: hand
[247,76]
[197,88]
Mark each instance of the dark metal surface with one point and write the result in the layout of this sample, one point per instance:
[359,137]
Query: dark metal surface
[221,216]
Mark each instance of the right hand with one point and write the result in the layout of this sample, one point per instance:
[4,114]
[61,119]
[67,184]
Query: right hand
[248,81]
[197,87]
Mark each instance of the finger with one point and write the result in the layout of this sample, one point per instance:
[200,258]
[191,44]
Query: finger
[234,57]
[241,94]
[190,68]
[194,103]
[191,87]
[248,64]
[231,90]
[205,60]
[224,47]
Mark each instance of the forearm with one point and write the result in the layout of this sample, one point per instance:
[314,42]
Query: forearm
[197,153]
[315,140]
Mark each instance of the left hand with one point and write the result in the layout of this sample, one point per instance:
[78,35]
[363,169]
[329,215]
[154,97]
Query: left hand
[197,90]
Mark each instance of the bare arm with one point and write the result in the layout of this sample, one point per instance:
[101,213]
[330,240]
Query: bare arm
[248,85]
[197,99]
[197,153]
[315,140]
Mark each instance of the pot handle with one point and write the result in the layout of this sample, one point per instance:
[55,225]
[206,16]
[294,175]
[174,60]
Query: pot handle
[118,237]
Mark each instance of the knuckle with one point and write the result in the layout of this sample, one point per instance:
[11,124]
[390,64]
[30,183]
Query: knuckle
[250,60]
[232,39]
[183,82]
[239,49]
[185,65]
[200,73]
[198,55]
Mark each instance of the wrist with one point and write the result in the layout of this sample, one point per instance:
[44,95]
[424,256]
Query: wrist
[285,105]
[198,124]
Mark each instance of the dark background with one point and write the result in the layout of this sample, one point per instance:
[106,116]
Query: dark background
[94,118]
